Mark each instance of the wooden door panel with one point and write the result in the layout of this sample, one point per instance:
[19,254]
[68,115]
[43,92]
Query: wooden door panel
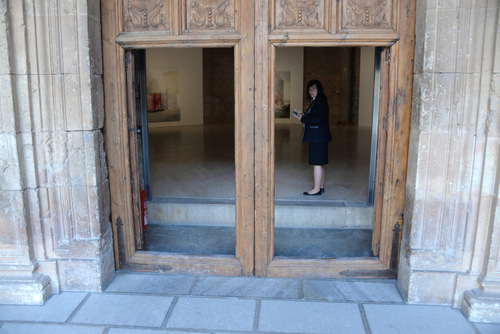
[367,14]
[209,15]
[254,28]
[139,15]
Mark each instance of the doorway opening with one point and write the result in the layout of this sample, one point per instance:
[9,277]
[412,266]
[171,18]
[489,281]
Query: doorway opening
[185,111]
[339,222]
[186,149]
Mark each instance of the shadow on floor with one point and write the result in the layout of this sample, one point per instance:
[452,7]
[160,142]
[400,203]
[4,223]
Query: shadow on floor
[289,242]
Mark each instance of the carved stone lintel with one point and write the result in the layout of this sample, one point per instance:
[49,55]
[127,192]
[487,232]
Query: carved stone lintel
[146,16]
[211,15]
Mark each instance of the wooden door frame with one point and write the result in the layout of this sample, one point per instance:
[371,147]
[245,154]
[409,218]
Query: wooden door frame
[254,38]
[392,156]
[120,133]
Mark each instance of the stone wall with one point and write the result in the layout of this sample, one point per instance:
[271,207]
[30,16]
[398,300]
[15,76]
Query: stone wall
[54,193]
[451,211]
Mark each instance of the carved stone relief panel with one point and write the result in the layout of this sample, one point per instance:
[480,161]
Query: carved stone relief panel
[299,14]
[362,14]
[210,14]
[146,15]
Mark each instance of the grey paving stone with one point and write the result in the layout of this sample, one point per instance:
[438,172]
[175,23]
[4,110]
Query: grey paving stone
[418,319]
[126,310]
[310,317]
[354,291]
[247,287]
[49,329]
[151,283]
[488,328]
[57,309]
[213,314]
[146,331]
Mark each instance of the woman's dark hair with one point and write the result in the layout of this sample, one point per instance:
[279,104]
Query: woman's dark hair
[319,86]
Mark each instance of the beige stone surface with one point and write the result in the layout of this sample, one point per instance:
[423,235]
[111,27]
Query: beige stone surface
[54,192]
[453,171]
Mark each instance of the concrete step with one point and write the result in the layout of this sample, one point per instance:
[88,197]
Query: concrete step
[298,214]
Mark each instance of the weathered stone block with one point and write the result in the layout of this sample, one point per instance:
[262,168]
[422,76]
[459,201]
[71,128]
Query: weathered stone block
[86,160]
[4,40]
[10,164]
[479,306]
[464,282]
[84,275]
[446,42]
[34,290]
[13,236]
[431,287]
[8,124]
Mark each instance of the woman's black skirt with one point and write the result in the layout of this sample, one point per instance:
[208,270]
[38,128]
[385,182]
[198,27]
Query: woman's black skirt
[318,154]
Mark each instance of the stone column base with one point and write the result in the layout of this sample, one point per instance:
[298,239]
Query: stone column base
[31,290]
[479,306]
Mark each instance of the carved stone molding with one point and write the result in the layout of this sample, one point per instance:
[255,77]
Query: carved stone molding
[210,14]
[367,13]
[299,14]
[146,15]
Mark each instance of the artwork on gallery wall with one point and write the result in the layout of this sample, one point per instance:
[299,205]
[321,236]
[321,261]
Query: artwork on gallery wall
[162,99]
[282,94]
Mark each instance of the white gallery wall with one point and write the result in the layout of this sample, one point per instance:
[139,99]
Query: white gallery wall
[188,63]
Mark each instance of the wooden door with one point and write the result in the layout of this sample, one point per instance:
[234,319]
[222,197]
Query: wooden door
[254,29]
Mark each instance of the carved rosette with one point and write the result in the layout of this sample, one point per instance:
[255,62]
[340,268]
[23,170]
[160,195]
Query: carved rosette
[146,15]
[210,14]
[299,14]
[367,13]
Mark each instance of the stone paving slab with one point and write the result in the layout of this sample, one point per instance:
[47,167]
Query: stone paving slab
[49,329]
[148,331]
[353,291]
[123,309]
[145,303]
[416,319]
[488,328]
[151,283]
[248,287]
[310,317]
[57,309]
[213,314]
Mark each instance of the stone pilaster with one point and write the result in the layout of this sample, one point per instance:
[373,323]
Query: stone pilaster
[20,282]
[483,304]
[453,167]
[54,194]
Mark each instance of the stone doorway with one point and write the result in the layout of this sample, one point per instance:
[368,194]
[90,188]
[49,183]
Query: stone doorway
[255,44]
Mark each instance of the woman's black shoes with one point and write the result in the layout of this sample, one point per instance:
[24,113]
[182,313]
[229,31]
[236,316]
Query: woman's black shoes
[314,194]
[322,190]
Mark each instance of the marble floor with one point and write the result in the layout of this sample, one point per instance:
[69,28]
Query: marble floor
[196,164]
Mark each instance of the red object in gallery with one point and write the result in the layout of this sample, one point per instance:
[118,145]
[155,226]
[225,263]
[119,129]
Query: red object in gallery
[151,102]
[144,210]
[158,105]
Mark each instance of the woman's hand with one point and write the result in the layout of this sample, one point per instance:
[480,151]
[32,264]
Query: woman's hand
[297,114]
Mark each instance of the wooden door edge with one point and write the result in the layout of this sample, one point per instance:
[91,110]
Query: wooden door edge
[361,268]
[218,265]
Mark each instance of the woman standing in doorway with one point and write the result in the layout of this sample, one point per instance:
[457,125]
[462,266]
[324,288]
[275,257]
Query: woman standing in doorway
[316,132]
